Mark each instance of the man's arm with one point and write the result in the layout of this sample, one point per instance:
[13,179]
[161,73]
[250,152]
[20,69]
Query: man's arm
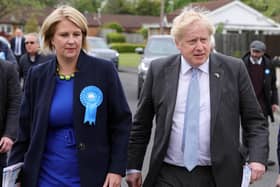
[253,124]
[13,100]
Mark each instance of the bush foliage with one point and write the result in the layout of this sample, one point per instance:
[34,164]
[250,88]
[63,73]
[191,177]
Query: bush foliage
[115,37]
[126,47]
[115,26]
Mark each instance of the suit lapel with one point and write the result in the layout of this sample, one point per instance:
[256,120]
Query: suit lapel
[171,80]
[216,76]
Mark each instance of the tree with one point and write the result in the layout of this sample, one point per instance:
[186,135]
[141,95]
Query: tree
[148,7]
[118,7]
[183,3]
[270,8]
[10,6]
[86,5]
[31,24]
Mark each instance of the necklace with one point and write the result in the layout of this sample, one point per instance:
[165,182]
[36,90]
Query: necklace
[64,77]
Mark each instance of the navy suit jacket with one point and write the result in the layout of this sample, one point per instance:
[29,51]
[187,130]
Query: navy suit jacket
[22,46]
[101,148]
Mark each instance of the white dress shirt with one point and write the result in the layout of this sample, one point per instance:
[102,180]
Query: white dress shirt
[175,152]
[18,46]
[259,61]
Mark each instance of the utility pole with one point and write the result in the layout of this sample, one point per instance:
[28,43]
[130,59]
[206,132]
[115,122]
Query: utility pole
[161,16]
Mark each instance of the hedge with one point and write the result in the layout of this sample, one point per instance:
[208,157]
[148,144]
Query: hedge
[126,47]
[115,37]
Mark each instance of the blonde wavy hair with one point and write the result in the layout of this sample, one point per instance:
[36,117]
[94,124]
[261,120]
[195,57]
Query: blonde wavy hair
[61,13]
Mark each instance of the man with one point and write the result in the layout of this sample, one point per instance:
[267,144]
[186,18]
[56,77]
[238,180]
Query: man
[198,99]
[262,74]
[6,53]
[10,96]
[17,44]
[32,56]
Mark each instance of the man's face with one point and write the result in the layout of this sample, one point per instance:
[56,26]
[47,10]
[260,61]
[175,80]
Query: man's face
[195,45]
[256,54]
[31,45]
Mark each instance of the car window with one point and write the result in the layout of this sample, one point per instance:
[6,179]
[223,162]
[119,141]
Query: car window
[97,44]
[161,47]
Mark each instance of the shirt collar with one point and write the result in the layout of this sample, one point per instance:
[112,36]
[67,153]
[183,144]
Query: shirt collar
[259,61]
[185,66]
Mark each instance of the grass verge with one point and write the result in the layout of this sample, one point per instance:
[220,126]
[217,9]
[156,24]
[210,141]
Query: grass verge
[129,59]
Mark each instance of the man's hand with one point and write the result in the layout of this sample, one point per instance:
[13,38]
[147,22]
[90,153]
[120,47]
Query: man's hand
[112,180]
[134,179]
[6,144]
[258,170]
[274,107]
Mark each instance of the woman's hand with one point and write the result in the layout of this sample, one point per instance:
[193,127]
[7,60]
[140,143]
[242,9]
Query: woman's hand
[113,180]
[278,181]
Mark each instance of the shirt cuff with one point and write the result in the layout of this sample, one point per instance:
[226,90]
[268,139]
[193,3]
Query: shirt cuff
[131,171]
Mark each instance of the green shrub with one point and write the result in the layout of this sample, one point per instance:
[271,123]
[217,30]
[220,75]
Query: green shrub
[237,54]
[126,47]
[144,32]
[114,37]
[117,27]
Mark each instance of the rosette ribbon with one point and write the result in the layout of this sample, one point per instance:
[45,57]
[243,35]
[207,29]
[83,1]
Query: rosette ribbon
[91,97]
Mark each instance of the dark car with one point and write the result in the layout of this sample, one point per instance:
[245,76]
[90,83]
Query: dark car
[98,47]
[157,46]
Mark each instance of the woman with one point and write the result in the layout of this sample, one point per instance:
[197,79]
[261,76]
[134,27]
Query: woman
[75,120]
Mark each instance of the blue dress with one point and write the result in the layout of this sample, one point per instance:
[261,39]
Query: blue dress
[59,165]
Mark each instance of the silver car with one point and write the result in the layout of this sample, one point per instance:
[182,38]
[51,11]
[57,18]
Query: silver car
[157,46]
[98,47]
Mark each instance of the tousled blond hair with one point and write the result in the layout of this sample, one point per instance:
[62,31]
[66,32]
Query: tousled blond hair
[188,16]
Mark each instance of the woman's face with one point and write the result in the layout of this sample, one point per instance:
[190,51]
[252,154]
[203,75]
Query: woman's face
[67,41]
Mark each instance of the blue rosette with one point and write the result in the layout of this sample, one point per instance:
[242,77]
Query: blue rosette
[91,97]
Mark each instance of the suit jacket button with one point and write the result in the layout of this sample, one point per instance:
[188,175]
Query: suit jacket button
[81,146]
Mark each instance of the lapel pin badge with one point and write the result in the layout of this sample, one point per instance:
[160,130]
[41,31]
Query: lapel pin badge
[217,75]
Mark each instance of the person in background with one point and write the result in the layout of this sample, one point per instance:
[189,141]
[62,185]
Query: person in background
[33,55]
[198,99]
[74,120]
[10,97]
[17,44]
[6,53]
[262,73]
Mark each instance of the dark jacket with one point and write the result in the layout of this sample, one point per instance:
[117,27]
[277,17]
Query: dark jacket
[270,89]
[101,148]
[232,99]
[10,97]
[25,63]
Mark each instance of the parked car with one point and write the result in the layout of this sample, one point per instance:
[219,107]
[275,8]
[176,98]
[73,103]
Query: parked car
[98,47]
[157,46]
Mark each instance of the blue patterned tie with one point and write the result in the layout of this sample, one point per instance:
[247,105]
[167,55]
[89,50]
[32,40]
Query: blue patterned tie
[191,123]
